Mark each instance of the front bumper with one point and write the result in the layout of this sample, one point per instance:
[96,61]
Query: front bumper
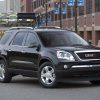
[81,71]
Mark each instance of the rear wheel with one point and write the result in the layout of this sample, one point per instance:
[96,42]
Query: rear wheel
[95,82]
[47,76]
[5,76]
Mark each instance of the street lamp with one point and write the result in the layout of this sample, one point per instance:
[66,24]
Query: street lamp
[60,8]
[60,13]
[46,13]
[76,16]
[46,5]
[76,3]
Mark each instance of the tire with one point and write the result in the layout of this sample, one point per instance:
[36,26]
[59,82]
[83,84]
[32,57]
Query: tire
[5,76]
[47,75]
[95,82]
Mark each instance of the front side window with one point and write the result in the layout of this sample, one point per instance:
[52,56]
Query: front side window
[63,38]
[18,39]
[31,39]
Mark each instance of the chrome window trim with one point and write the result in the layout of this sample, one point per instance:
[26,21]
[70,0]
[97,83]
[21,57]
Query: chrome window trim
[19,46]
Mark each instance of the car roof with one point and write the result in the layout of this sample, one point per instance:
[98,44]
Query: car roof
[40,29]
[49,29]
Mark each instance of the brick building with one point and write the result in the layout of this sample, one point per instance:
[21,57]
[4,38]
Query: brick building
[26,6]
[88,17]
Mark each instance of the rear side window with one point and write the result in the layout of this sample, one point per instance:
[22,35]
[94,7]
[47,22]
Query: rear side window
[18,39]
[5,38]
[31,39]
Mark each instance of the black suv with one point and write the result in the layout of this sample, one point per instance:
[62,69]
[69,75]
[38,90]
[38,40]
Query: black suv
[50,54]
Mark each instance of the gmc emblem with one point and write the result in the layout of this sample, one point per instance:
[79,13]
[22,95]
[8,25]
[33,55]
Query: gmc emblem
[90,55]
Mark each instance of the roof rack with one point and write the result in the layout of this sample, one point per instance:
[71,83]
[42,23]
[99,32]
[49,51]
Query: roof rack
[14,28]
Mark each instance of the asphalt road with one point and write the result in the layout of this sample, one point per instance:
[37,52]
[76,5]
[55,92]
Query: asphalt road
[22,88]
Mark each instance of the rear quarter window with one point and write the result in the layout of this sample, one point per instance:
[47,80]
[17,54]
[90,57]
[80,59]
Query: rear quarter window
[5,37]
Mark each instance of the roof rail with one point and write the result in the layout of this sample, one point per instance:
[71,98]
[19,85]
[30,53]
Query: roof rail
[14,28]
[48,27]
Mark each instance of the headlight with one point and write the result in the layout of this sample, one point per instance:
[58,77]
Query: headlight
[65,55]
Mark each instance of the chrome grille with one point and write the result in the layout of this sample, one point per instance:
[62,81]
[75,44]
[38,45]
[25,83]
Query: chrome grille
[88,55]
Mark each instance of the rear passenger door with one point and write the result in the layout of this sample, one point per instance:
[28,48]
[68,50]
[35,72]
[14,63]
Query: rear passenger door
[14,50]
[30,53]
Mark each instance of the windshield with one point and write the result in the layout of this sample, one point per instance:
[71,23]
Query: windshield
[62,38]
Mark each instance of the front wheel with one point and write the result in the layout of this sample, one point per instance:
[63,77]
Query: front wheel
[47,76]
[5,76]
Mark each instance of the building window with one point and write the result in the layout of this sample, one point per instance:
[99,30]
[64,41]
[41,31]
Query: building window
[56,17]
[85,21]
[88,6]
[74,11]
[68,13]
[34,4]
[52,16]
[39,3]
[97,5]
[64,16]
[81,11]
[44,2]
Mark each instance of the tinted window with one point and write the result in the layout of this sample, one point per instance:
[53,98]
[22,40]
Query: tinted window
[18,39]
[31,39]
[5,38]
[63,38]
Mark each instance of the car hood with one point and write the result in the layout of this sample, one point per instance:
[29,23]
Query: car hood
[77,48]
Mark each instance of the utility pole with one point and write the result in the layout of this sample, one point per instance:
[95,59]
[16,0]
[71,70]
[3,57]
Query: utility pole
[60,13]
[38,19]
[46,7]
[76,16]
[46,16]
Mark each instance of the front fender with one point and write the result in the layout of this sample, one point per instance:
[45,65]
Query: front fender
[50,56]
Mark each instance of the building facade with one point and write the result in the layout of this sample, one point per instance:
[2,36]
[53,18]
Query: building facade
[15,6]
[88,22]
[2,7]
[8,7]
[26,6]
[12,6]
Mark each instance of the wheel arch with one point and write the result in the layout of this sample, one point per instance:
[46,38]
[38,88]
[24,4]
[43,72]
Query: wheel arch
[3,58]
[45,60]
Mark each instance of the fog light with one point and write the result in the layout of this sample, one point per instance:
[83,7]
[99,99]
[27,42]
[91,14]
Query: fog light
[65,66]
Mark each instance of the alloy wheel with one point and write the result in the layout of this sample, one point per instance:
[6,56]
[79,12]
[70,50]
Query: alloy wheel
[2,72]
[48,75]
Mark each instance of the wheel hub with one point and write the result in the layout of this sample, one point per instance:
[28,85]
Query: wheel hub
[48,75]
